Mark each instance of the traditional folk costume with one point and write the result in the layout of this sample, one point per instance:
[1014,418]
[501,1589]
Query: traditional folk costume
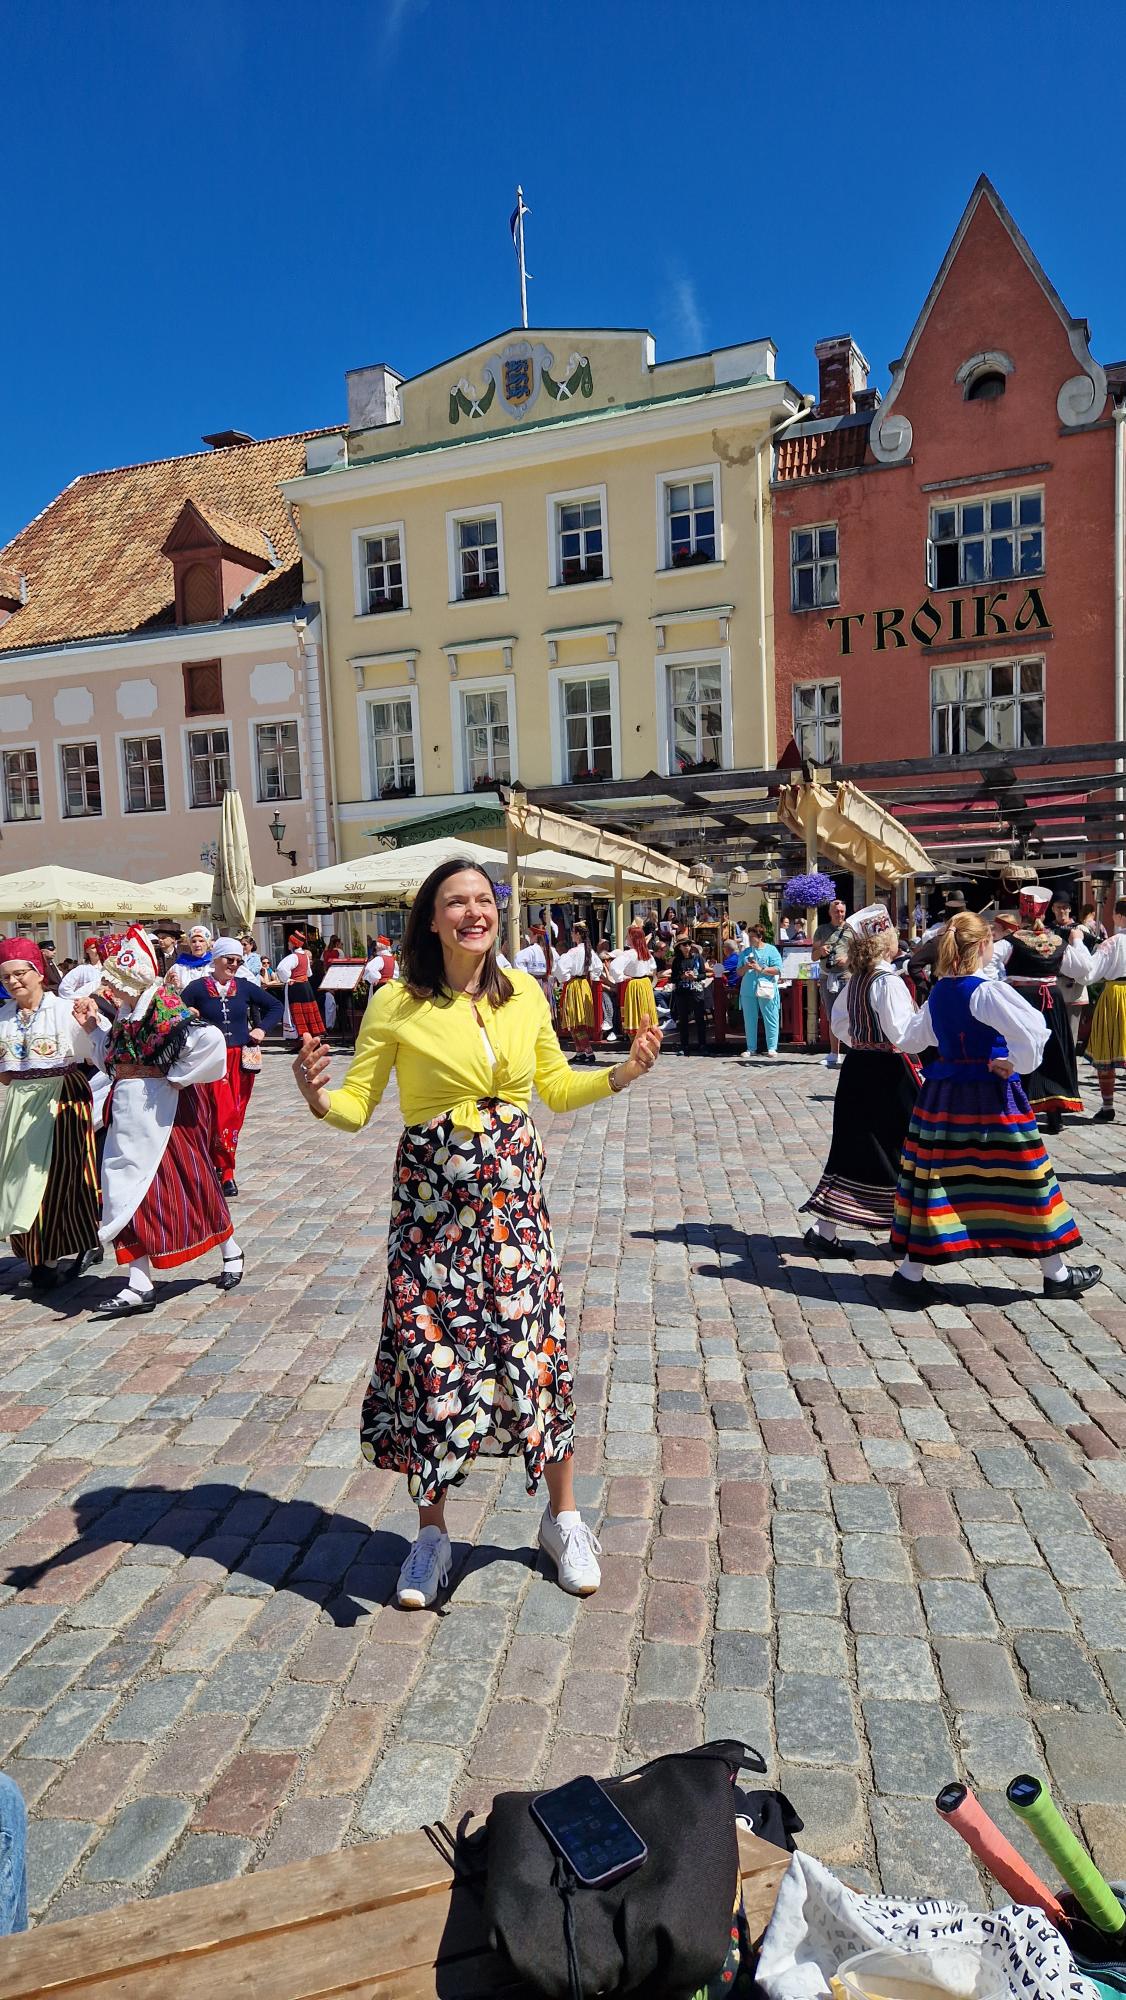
[533,958]
[975,1180]
[186,966]
[1032,959]
[303,1016]
[1106,1043]
[87,977]
[162,1205]
[234,1007]
[635,972]
[473,1348]
[761,997]
[48,1176]
[577,975]
[875,1098]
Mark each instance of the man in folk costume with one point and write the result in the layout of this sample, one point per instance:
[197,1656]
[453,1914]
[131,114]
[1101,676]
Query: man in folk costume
[162,1205]
[48,1176]
[1033,958]
[302,1014]
[242,1013]
[877,1091]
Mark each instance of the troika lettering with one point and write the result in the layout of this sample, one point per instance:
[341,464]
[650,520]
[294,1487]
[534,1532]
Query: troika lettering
[985,615]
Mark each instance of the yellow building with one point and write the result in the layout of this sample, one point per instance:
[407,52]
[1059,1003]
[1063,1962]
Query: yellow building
[545,559]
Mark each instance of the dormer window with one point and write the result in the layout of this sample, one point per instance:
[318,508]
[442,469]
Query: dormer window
[215,561]
[986,387]
[983,377]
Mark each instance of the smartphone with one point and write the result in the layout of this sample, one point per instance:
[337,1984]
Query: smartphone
[584,1825]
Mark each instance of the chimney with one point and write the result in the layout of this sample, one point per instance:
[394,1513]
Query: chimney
[842,373]
[373,397]
[867,400]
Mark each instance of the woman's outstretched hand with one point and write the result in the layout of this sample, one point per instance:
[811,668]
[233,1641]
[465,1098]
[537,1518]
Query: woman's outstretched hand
[311,1071]
[643,1054]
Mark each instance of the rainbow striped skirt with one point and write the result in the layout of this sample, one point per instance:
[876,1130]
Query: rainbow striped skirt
[974,1178]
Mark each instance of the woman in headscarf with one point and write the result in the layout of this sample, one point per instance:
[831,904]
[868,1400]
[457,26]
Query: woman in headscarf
[48,1177]
[303,1016]
[162,1205]
[192,962]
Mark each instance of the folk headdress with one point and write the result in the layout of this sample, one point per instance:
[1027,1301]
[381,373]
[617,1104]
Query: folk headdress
[134,965]
[154,1034]
[872,921]
[1033,902]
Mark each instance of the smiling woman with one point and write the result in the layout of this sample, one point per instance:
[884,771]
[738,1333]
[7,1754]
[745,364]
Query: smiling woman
[473,1349]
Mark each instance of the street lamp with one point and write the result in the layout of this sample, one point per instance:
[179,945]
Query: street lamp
[277,829]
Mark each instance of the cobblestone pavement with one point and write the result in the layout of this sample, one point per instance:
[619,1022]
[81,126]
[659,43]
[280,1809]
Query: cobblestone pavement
[886,1548]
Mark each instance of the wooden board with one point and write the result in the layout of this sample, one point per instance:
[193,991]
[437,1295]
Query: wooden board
[382,1920]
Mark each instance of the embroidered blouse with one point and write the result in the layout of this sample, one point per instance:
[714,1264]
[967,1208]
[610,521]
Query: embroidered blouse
[50,1039]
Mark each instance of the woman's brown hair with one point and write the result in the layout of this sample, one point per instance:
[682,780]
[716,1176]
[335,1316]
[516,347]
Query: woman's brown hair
[581,935]
[864,954]
[960,945]
[421,963]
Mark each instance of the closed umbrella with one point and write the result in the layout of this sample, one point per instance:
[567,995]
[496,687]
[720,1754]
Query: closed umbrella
[233,895]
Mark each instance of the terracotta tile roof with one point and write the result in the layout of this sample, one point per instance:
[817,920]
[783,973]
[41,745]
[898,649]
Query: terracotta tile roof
[807,453]
[93,558]
[9,585]
[237,535]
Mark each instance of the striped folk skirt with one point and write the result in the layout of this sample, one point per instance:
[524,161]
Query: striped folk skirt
[70,1211]
[183,1215]
[639,1005]
[304,1012]
[975,1180]
[876,1094]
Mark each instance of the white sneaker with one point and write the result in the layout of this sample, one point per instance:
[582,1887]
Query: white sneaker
[426,1570]
[573,1549]
[746,1056]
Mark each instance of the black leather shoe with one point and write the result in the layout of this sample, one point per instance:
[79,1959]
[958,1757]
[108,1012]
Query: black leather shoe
[44,1277]
[82,1264]
[230,1188]
[1104,1115]
[123,1308]
[826,1246]
[1080,1278]
[1053,1123]
[915,1292]
[230,1276]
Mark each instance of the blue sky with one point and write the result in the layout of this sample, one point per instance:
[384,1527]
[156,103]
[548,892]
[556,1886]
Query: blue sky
[214,208]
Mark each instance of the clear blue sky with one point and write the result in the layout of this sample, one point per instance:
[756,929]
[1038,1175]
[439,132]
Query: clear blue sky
[214,208]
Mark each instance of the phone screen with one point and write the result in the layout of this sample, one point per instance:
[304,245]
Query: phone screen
[584,1824]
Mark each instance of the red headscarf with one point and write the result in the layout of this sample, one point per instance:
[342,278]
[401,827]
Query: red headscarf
[26,951]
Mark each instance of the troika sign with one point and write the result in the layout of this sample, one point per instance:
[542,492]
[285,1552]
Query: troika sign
[988,614]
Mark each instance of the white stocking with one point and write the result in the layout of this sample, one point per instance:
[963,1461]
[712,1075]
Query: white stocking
[911,1270]
[231,1252]
[140,1277]
[1054,1266]
[825,1228]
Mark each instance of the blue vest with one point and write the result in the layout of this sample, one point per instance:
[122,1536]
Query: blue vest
[961,1039]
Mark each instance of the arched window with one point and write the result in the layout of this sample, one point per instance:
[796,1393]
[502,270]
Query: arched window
[985,387]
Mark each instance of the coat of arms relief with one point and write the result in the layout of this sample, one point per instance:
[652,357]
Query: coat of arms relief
[514,378]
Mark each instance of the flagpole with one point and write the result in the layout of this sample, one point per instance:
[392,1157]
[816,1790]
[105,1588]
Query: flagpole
[520,213]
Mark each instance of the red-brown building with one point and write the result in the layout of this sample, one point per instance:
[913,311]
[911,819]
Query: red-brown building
[945,558]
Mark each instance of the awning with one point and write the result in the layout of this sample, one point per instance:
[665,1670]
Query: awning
[846,826]
[75,893]
[378,880]
[538,825]
[194,890]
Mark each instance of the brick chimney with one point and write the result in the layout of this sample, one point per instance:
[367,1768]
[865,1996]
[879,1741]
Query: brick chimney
[842,374]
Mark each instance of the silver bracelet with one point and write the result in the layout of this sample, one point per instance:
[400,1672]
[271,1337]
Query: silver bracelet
[617,1088]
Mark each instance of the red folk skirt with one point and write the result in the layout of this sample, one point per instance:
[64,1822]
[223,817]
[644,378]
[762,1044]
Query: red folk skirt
[231,1101]
[303,1009]
[183,1215]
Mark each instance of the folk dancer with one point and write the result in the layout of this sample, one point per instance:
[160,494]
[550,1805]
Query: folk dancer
[634,970]
[974,1178]
[535,957]
[876,1093]
[162,1205]
[1106,1043]
[760,994]
[87,977]
[1032,958]
[48,1176]
[577,972]
[242,1013]
[302,1014]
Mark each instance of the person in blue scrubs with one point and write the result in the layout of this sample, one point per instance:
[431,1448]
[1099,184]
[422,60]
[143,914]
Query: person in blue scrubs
[759,994]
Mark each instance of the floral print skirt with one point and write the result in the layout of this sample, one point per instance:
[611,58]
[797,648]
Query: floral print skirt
[473,1348]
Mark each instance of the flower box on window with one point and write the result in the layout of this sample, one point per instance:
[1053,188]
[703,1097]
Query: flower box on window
[403,790]
[576,571]
[481,586]
[687,768]
[485,784]
[385,600]
[690,558]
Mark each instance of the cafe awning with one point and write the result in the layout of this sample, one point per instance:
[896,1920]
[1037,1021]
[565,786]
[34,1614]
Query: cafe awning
[510,815]
[76,893]
[841,823]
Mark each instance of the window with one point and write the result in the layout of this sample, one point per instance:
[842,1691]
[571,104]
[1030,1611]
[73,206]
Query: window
[487,740]
[986,541]
[21,785]
[817,722]
[203,688]
[985,387]
[689,520]
[144,774]
[999,706]
[814,567]
[578,540]
[696,717]
[478,554]
[82,780]
[381,556]
[209,765]
[588,730]
[392,748]
[278,761]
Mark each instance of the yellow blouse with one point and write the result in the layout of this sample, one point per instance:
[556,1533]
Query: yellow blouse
[438,1054]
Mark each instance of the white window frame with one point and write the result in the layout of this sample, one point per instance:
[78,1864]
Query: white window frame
[123,737]
[22,748]
[360,537]
[254,724]
[487,684]
[73,743]
[699,656]
[679,476]
[803,687]
[554,556]
[368,700]
[597,670]
[816,563]
[957,504]
[453,553]
[194,728]
[968,666]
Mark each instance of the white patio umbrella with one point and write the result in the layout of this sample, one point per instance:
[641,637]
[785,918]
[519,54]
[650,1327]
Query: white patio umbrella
[195,888]
[63,893]
[233,897]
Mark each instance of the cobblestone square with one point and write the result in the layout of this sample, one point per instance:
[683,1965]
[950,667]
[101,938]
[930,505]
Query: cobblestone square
[886,1548]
